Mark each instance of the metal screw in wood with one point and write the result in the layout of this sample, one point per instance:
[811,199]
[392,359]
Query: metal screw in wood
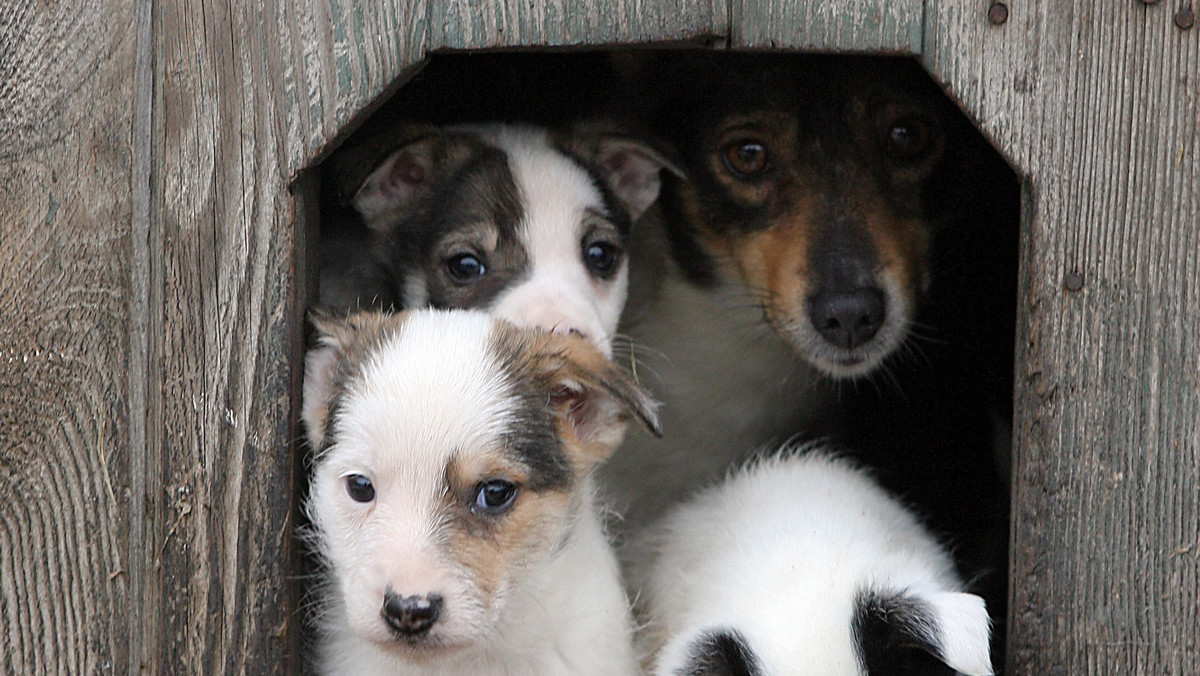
[1185,18]
[997,13]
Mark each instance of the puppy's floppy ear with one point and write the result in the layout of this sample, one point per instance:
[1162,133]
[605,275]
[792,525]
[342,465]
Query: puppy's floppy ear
[337,339]
[405,174]
[629,166]
[591,397]
[924,633]
[320,370]
[597,402]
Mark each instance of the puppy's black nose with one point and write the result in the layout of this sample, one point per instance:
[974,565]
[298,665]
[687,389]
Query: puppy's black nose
[847,318]
[411,615]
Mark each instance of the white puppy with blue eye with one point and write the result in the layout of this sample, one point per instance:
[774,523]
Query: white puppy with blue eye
[800,565]
[452,503]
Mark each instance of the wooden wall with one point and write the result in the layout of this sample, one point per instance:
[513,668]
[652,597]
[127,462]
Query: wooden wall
[153,283]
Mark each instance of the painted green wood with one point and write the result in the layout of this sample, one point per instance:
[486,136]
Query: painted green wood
[827,25]
[469,24]
[1096,104]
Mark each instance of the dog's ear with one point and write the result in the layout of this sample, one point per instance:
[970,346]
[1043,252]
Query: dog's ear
[591,398]
[337,339]
[924,633]
[405,174]
[320,371]
[629,166]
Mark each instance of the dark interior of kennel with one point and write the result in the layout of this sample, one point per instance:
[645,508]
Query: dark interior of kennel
[934,424]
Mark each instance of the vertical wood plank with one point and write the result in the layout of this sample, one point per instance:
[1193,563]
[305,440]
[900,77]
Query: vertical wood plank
[1097,105]
[66,121]
[224,334]
[468,24]
[246,95]
[828,25]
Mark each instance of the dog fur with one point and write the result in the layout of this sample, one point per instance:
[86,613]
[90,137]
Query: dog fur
[418,420]
[800,565]
[528,224]
[799,253]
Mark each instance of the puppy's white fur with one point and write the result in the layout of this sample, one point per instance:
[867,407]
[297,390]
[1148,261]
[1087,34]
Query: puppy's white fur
[430,394]
[779,553]
[559,293]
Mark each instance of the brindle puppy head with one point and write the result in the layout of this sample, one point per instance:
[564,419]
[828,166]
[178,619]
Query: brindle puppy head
[823,181]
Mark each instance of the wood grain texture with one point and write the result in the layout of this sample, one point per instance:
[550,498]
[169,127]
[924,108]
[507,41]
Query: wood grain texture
[823,25]
[338,59]
[66,121]
[224,269]
[1097,104]
[469,24]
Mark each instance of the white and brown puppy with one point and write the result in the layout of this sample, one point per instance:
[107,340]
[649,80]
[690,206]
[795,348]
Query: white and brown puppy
[530,225]
[800,565]
[451,497]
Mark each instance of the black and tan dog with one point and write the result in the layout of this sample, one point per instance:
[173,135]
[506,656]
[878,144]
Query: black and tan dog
[841,264]
[800,249]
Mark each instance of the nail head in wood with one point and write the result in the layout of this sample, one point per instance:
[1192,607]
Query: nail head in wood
[1185,18]
[997,13]
[1073,281]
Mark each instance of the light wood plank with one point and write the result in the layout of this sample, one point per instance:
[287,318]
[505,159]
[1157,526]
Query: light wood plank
[828,25]
[66,118]
[1097,105]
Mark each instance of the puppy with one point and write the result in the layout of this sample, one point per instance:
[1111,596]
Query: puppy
[800,565]
[797,252]
[529,225]
[451,498]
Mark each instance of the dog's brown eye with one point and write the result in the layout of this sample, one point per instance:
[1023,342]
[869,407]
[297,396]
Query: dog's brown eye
[908,138]
[746,158]
[465,268]
[360,488]
[601,257]
[494,496]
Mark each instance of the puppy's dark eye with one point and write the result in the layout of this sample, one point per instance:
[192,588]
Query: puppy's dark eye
[465,268]
[602,257]
[746,158]
[360,488]
[908,138]
[494,496]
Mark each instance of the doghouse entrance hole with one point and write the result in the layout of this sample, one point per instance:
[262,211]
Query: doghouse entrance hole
[934,422]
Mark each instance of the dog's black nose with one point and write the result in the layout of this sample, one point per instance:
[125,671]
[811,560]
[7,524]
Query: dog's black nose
[847,318]
[411,615]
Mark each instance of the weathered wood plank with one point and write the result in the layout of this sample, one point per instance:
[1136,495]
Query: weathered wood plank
[828,25]
[468,24]
[225,337]
[1097,105]
[339,58]
[66,120]
[246,96]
